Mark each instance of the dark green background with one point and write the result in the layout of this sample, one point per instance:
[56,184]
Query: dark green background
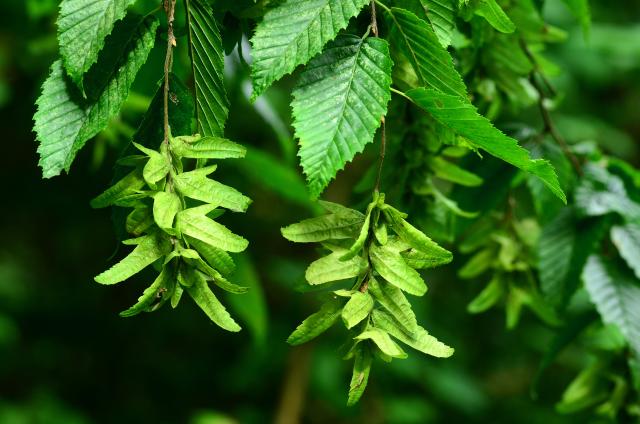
[66,356]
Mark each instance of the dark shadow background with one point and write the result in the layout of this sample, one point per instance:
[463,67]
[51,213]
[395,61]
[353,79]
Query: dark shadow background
[66,357]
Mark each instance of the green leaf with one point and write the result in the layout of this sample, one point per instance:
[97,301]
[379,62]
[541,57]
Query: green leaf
[581,10]
[601,193]
[448,171]
[616,297]
[338,103]
[206,148]
[317,323]
[416,238]
[64,121]
[193,222]
[165,207]
[463,118]
[627,240]
[357,246]
[129,185]
[383,341]
[326,227]
[478,263]
[555,250]
[82,28]
[207,64]
[139,220]
[489,296]
[153,296]
[493,13]
[196,185]
[390,265]
[420,340]
[332,268]
[149,249]
[360,376]
[442,15]
[432,63]
[292,33]
[393,300]
[178,290]
[357,308]
[210,305]
[217,258]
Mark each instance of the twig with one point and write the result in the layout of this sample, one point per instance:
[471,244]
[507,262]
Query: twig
[295,386]
[374,21]
[549,125]
[169,8]
[383,137]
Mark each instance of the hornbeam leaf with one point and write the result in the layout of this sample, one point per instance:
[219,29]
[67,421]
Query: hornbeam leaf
[462,117]
[217,258]
[601,192]
[64,121]
[155,293]
[196,185]
[207,61]
[332,268]
[420,340]
[317,323]
[616,297]
[129,185]
[165,207]
[357,308]
[82,28]
[627,239]
[442,15]
[207,148]
[432,63]
[493,13]
[149,249]
[393,300]
[338,103]
[360,376]
[194,223]
[383,341]
[201,293]
[390,265]
[292,33]
[157,167]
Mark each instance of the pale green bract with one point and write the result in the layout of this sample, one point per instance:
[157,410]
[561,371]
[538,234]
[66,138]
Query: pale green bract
[493,13]
[82,28]
[377,267]
[65,121]
[338,103]
[292,33]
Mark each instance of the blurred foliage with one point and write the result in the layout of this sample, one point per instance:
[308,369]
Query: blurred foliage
[66,357]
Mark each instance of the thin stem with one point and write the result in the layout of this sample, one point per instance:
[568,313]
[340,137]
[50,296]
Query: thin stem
[383,136]
[549,125]
[169,8]
[374,21]
[400,93]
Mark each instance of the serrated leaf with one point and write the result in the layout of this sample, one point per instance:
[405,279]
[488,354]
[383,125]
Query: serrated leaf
[420,340]
[64,121]
[338,103]
[493,13]
[357,246]
[616,297]
[194,223]
[207,62]
[292,33]
[332,268]
[393,300]
[210,305]
[165,207]
[430,60]
[442,15]
[383,341]
[463,118]
[627,240]
[357,308]
[157,167]
[416,238]
[82,29]
[323,228]
[390,265]
[207,148]
[153,296]
[217,258]
[317,323]
[360,375]
[555,249]
[129,185]
[149,249]
[601,192]
[196,185]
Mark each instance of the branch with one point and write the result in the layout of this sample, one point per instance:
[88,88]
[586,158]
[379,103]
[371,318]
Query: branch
[169,8]
[383,137]
[549,125]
